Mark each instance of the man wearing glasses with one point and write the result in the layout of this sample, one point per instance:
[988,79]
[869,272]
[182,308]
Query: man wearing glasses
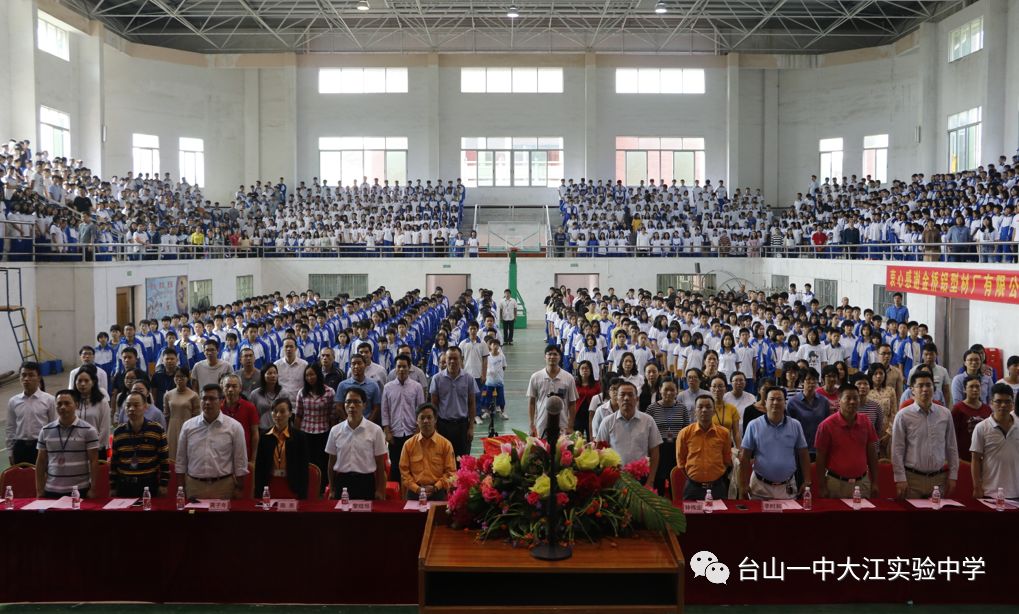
[212,457]
[357,452]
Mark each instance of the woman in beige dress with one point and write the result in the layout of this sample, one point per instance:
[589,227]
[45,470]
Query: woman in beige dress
[180,404]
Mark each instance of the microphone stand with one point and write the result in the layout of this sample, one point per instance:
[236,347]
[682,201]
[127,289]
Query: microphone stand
[552,550]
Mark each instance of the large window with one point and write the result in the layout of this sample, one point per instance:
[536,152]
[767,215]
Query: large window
[362,80]
[666,158]
[192,161]
[826,291]
[503,161]
[964,140]
[831,158]
[145,152]
[347,159]
[966,39]
[659,81]
[53,37]
[516,80]
[875,157]
[331,285]
[245,287]
[883,299]
[54,132]
[687,282]
[201,294]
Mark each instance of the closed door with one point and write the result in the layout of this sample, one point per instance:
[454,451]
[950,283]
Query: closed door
[453,285]
[125,305]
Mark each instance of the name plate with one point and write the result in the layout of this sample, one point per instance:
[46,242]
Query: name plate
[285,505]
[772,506]
[219,505]
[360,506]
[693,507]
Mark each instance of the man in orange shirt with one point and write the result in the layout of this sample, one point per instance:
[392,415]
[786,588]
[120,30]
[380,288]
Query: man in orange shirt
[427,459]
[705,453]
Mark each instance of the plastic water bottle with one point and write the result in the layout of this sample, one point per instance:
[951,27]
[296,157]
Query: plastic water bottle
[9,498]
[709,503]
[181,499]
[999,499]
[422,500]
[857,498]
[344,500]
[147,500]
[75,498]
[808,499]
[266,498]
[936,498]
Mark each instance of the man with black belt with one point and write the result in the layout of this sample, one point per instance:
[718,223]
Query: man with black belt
[212,457]
[68,452]
[400,400]
[924,449]
[454,392]
[27,413]
[771,445]
[508,316]
[846,444]
[704,453]
[357,453]
[140,453]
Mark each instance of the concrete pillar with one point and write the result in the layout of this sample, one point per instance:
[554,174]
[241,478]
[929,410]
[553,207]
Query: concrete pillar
[87,136]
[21,40]
[929,108]
[252,125]
[591,157]
[732,74]
[434,132]
[769,164]
[992,133]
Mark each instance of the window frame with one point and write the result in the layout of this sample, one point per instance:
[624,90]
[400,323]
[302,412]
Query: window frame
[512,80]
[687,81]
[191,153]
[49,130]
[342,79]
[658,149]
[965,126]
[961,39]
[504,158]
[49,33]
[151,149]
[341,147]
[879,154]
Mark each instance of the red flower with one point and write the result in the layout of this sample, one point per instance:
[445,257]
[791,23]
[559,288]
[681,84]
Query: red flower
[532,498]
[490,494]
[639,469]
[562,499]
[486,463]
[587,483]
[468,462]
[609,476]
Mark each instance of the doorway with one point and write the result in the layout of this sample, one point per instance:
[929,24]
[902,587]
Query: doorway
[452,285]
[952,337]
[125,304]
[575,281]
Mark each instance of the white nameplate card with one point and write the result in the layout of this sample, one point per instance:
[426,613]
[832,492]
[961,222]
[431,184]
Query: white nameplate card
[415,506]
[284,505]
[219,505]
[1009,504]
[119,504]
[693,507]
[773,507]
[360,506]
[925,504]
[864,504]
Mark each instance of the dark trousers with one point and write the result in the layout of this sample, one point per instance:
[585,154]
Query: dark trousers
[24,451]
[395,449]
[317,454]
[135,486]
[359,486]
[694,491]
[507,330]
[456,432]
[666,462]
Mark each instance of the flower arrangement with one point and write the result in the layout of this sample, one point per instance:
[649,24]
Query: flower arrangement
[504,492]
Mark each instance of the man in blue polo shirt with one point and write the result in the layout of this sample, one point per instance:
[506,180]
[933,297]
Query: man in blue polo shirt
[897,311]
[772,443]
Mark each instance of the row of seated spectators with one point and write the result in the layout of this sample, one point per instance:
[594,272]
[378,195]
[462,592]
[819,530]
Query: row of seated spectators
[52,205]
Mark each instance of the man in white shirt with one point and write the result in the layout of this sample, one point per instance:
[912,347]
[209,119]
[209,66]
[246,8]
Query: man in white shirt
[475,355]
[507,316]
[291,369]
[357,453]
[552,381]
[212,457]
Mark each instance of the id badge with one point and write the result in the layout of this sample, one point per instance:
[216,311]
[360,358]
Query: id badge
[279,473]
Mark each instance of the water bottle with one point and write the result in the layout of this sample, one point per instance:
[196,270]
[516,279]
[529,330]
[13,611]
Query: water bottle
[936,498]
[709,503]
[147,500]
[344,500]
[999,499]
[857,498]
[266,498]
[808,499]
[9,498]
[422,500]
[75,498]
[181,499]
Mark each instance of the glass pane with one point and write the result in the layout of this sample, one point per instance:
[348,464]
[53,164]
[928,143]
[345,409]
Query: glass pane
[525,142]
[683,166]
[520,168]
[699,168]
[667,169]
[502,168]
[469,168]
[869,160]
[626,81]
[352,167]
[500,142]
[329,166]
[374,142]
[550,80]
[693,81]
[328,80]
[546,142]
[190,144]
[499,80]
[881,172]
[636,167]
[525,80]
[648,80]
[830,144]
[396,80]
[672,143]
[626,142]
[649,142]
[693,143]
[396,142]
[472,80]
[555,168]
[350,142]
[672,81]
[539,169]
[472,142]
[875,140]
[486,164]
[836,164]
[352,81]
[654,167]
[374,80]
[621,166]
[375,165]
[144,140]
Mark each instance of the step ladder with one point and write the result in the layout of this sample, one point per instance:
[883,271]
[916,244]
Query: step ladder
[14,308]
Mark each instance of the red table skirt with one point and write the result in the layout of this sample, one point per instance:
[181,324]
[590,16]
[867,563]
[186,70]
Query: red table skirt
[319,555]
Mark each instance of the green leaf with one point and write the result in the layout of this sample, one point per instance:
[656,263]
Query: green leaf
[648,509]
[522,435]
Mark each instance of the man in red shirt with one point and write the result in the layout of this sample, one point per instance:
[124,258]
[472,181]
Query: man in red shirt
[240,410]
[819,239]
[846,450]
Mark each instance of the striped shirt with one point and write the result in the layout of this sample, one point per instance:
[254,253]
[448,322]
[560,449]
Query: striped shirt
[315,411]
[670,420]
[67,449]
[140,454]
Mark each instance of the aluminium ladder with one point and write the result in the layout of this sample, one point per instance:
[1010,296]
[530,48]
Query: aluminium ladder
[15,310]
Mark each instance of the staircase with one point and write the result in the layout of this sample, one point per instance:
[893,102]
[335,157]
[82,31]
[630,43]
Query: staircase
[16,314]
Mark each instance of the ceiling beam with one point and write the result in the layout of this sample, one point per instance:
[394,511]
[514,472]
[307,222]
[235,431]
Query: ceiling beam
[760,24]
[187,24]
[258,19]
[839,22]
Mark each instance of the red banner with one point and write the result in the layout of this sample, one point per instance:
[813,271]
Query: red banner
[976,284]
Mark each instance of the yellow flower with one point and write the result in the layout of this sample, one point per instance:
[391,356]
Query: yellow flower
[567,480]
[587,460]
[541,486]
[610,458]
[578,444]
[502,464]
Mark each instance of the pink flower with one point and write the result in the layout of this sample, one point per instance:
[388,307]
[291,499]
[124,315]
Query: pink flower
[565,458]
[639,469]
[486,463]
[468,462]
[490,494]
[506,447]
[466,478]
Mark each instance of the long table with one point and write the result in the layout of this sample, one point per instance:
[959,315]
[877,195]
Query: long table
[319,555]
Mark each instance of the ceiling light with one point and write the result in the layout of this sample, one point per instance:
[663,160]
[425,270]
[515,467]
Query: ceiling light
[363,5]
[512,12]
[661,9]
